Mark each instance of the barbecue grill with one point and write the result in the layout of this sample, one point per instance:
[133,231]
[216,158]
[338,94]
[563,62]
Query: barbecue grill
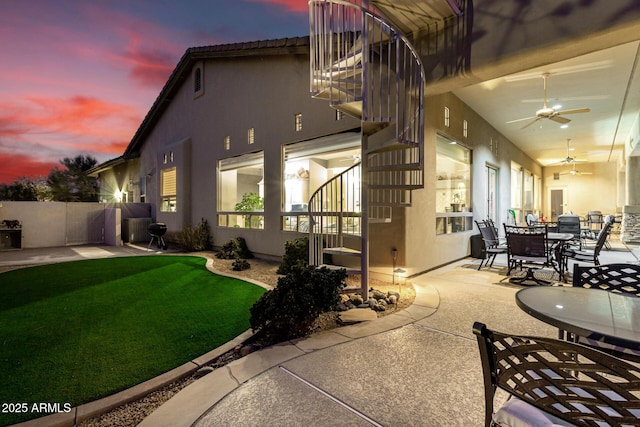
[157,230]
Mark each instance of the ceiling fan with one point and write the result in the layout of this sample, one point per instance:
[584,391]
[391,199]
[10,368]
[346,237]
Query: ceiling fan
[575,171]
[568,159]
[550,113]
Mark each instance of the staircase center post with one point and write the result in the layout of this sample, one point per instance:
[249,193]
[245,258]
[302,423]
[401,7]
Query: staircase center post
[364,219]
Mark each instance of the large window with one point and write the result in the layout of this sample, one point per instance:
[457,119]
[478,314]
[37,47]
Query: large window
[453,187]
[169,190]
[241,191]
[310,164]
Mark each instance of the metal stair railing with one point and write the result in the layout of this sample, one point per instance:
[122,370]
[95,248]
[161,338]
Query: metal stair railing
[353,48]
[334,210]
[366,67]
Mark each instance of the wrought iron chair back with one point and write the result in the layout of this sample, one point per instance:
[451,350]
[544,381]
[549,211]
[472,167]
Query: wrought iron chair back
[571,224]
[591,256]
[619,278]
[569,381]
[491,242]
[527,246]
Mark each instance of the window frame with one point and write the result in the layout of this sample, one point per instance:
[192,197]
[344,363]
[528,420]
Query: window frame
[169,200]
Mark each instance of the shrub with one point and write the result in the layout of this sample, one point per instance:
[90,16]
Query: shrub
[235,248]
[295,251]
[290,309]
[196,238]
[240,264]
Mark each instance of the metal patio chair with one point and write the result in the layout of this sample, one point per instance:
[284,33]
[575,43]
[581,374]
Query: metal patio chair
[491,241]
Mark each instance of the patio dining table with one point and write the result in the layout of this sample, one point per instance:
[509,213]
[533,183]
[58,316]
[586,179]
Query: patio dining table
[595,314]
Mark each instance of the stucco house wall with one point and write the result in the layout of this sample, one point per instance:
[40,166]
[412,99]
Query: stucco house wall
[240,91]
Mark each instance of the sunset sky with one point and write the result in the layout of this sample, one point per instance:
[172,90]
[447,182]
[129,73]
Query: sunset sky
[78,76]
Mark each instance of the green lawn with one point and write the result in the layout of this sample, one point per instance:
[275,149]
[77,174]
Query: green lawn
[77,331]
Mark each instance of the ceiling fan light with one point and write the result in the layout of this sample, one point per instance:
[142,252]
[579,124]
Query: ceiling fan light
[564,126]
[557,107]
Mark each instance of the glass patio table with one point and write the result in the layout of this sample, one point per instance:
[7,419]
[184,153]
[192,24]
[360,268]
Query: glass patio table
[594,314]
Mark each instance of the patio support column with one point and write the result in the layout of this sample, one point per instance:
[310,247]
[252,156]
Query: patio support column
[630,228]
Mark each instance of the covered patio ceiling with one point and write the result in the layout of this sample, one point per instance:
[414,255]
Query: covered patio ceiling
[607,82]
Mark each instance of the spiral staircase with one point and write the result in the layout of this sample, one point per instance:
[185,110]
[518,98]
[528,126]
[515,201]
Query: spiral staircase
[366,68]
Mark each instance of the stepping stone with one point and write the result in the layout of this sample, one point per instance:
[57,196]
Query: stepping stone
[357,315]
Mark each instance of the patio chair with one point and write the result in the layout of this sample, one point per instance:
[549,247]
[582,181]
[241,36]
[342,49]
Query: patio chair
[595,220]
[491,241]
[590,237]
[555,383]
[590,256]
[527,246]
[617,278]
[571,224]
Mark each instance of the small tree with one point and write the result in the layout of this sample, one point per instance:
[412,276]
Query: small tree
[72,184]
[26,189]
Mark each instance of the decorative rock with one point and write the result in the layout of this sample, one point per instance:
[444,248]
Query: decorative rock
[247,349]
[378,307]
[377,294]
[393,293]
[364,305]
[357,300]
[203,371]
[341,307]
[393,299]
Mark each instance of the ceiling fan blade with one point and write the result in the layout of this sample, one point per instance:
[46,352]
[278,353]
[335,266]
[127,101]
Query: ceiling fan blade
[574,111]
[520,120]
[559,119]
[576,172]
[537,119]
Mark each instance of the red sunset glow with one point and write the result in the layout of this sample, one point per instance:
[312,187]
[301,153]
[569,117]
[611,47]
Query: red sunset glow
[78,77]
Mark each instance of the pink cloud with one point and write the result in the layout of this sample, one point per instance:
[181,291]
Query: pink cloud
[77,115]
[147,51]
[24,166]
[290,5]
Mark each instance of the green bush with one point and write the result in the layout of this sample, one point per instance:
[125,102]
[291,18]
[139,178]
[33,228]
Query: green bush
[295,251]
[240,264]
[196,238]
[289,310]
[234,249]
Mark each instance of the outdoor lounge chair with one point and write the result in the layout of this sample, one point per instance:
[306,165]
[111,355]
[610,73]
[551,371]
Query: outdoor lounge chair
[555,383]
